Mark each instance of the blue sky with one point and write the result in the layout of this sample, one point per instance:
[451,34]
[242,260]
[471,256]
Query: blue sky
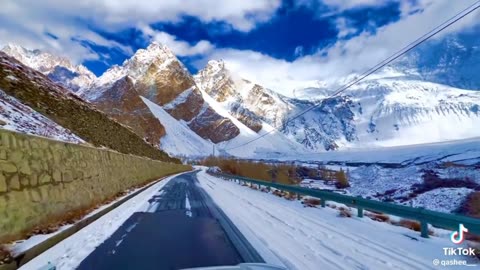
[281,44]
[292,31]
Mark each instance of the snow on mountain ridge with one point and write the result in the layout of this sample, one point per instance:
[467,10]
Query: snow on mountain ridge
[133,67]
[57,68]
[390,108]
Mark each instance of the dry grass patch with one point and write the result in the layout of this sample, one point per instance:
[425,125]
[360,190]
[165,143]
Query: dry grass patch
[409,224]
[290,196]
[311,202]
[269,172]
[378,216]
[471,205]
[344,212]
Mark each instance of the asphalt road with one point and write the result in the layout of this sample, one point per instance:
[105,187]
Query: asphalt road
[183,228]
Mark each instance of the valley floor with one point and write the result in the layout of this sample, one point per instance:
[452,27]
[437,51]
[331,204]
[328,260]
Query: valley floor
[399,174]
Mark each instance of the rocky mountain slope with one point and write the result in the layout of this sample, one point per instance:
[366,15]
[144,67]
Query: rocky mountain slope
[16,116]
[156,74]
[453,60]
[394,107]
[58,69]
[58,104]
[319,129]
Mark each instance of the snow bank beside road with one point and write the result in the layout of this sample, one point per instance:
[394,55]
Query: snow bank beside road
[69,253]
[310,238]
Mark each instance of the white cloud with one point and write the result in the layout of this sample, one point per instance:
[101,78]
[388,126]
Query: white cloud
[349,4]
[298,51]
[333,7]
[25,22]
[345,57]
[343,27]
[179,47]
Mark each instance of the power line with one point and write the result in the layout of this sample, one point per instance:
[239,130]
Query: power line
[380,65]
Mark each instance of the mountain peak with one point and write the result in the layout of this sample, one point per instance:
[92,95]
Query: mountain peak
[155,52]
[57,68]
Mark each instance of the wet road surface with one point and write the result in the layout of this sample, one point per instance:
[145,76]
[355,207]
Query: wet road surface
[182,228]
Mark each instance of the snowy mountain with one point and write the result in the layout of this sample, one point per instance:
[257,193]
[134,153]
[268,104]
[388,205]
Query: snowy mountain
[453,60]
[401,112]
[31,103]
[156,74]
[179,139]
[390,109]
[58,69]
[393,107]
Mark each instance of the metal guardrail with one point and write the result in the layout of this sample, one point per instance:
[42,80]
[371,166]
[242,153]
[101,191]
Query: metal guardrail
[424,216]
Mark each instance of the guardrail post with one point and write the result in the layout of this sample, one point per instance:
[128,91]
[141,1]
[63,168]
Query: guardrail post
[360,212]
[424,229]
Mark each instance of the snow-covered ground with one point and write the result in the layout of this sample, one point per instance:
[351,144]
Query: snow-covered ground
[310,238]
[179,138]
[442,199]
[69,253]
[21,118]
[394,171]
[465,151]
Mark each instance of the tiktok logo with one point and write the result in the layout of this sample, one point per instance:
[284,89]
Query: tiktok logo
[457,237]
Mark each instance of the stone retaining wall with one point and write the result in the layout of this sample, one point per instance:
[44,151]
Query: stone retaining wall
[43,180]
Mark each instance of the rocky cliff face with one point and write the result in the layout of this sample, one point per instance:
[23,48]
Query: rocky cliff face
[251,103]
[58,104]
[159,76]
[122,103]
[248,102]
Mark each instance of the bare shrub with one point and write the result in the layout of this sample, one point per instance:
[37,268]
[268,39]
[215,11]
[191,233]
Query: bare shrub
[378,217]
[342,179]
[471,205]
[344,212]
[311,202]
[410,224]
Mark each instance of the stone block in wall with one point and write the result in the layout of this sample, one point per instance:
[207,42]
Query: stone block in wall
[57,176]
[3,183]
[14,182]
[33,180]
[8,167]
[44,178]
